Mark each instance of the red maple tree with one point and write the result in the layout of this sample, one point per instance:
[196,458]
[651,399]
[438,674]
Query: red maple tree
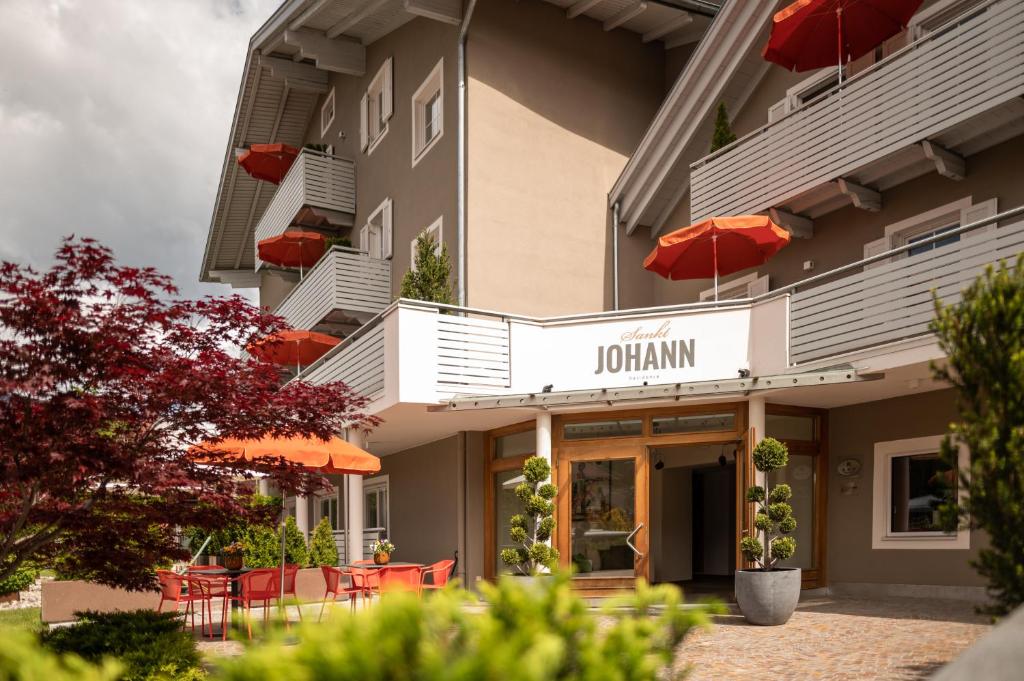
[107,378]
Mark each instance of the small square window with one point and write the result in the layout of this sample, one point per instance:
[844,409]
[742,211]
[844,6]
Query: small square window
[428,113]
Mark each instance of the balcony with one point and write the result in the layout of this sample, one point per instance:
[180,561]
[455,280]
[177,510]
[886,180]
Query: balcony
[318,188]
[924,108]
[345,289]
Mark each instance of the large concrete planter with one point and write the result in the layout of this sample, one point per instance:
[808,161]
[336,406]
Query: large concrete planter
[768,597]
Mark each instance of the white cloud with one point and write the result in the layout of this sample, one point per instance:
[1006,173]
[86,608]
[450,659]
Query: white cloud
[114,116]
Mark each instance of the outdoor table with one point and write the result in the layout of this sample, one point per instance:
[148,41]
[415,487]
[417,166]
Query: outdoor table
[374,566]
[233,576]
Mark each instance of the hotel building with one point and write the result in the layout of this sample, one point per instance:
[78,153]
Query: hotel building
[548,144]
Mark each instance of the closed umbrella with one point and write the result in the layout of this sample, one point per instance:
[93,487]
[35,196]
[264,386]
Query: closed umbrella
[814,34]
[294,248]
[297,347]
[332,456]
[716,246]
[269,162]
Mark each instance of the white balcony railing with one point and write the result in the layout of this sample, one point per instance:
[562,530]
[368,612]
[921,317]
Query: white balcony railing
[971,65]
[315,180]
[346,287]
[424,353]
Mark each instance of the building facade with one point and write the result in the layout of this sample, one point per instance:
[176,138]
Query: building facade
[546,145]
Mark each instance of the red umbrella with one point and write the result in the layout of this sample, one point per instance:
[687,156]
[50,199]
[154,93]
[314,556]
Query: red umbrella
[813,34]
[294,248]
[268,162]
[716,246]
[292,347]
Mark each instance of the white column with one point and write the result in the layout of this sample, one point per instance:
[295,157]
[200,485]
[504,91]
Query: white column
[302,514]
[354,503]
[263,486]
[543,425]
[756,420]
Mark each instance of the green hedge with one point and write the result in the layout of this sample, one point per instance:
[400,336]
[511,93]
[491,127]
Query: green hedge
[20,580]
[150,646]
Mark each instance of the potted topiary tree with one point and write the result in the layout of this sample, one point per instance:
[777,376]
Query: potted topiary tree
[532,529]
[768,594]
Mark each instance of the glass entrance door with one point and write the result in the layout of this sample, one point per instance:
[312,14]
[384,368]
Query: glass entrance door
[603,529]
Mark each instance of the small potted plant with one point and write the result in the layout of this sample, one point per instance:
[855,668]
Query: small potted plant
[532,529]
[233,555]
[382,550]
[768,594]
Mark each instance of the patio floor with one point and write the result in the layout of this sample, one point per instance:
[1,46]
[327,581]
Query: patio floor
[837,639]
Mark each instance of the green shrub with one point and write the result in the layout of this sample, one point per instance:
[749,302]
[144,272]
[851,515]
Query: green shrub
[723,135]
[531,530]
[983,337]
[149,645]
[294,544]
[322,549]
[431,278]
[22,658]
[20,580]
[773,518]
[262,547]
[539,632]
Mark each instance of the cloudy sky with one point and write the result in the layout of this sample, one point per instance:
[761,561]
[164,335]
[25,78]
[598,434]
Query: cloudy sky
[114,115]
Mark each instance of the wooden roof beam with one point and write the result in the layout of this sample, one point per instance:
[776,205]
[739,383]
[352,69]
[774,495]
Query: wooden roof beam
[625,14]
[797,225]
[861,197]
[581,7]
[339,56]
[947,163]
[681,21]
[446,11]
[355,17]
[299,77]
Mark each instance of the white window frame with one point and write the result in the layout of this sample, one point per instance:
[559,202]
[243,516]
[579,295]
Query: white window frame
[437,229]
[881,537]
[318,511]
[376,108]
[374,485]
[381,218]
[434,84]
[962,211]
[751,285]
[328,105]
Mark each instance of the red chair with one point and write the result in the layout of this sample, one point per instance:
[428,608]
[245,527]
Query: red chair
[258,586]
[366,580]
[214,587]
[440,572]
[333,577]
[180,589]
[400,578]
[291,572]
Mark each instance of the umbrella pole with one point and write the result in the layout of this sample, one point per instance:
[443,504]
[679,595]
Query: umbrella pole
[714,249]
[284,523]
[839,32]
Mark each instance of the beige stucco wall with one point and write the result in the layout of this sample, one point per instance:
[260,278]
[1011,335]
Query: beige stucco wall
[853,432]
[555,107]
[419,194]
[839,236]
[423,501]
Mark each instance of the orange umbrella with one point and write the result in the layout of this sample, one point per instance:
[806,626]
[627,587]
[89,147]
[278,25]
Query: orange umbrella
[268,162]
[716,246]
[294,248]
[335,456]
[298,347]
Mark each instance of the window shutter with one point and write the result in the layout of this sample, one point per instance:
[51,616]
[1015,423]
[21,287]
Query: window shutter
[874,248]
[860,63]
[387,101]
[895,43]
[364,117]
[778,110]
[387,235]
[364,238]
[758,286]
[979,211]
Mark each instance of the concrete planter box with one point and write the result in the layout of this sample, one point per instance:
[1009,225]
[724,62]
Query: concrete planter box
[768,597]
[60,600]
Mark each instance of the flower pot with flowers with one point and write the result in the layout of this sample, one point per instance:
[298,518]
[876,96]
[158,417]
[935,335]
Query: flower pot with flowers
[382,550]
[233,554]
[768,593]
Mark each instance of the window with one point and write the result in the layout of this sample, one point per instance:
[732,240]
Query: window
[375,506]
[435,233]
[375,108]
[522,443]
[932,245]
[910,484]
[428,113]
[698,423]
[936,221]
[595,429]
[327,114]
[327,507]
[375,237]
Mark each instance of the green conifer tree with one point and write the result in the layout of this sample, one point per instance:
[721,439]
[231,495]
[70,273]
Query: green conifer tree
[723,135]
[322,549]
[295,551]
[430,280]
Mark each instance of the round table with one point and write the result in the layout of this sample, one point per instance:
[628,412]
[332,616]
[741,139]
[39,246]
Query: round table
[374,566]
[233,576]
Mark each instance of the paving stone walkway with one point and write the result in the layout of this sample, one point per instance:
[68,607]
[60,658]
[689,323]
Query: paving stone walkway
[837,639]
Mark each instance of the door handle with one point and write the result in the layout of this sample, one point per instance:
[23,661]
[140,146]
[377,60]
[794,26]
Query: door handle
[638,552]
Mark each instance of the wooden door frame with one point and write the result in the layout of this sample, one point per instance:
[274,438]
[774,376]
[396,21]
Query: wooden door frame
[610,451]
[494,465]
[818,448]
